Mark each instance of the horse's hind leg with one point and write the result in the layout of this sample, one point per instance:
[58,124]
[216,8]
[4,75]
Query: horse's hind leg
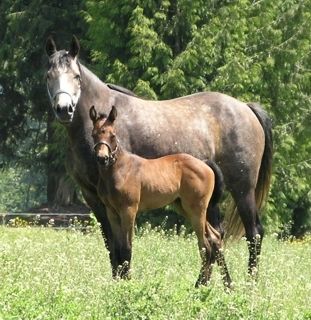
[254,232]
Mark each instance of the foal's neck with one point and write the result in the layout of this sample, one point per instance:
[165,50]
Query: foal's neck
[123,161]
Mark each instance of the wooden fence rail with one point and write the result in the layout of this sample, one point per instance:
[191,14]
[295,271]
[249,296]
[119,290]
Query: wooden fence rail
[51,219]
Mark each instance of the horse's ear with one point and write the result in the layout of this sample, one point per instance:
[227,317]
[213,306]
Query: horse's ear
[50,46]
[113,114]
[93,114]
[74,47]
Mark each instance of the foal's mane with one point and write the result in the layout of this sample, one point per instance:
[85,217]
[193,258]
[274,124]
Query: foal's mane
[101,116]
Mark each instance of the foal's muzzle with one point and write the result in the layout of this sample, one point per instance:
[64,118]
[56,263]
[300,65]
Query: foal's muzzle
[108,159]
[104,161]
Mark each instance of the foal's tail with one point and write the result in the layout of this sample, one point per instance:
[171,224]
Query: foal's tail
[234,226]
[219,183]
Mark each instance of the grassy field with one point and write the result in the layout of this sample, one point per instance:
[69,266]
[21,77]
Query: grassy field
[48,274]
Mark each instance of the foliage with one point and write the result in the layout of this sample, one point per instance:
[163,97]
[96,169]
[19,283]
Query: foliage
[252,50]
[27,137]
[20,188]
[255,51]
[66,275]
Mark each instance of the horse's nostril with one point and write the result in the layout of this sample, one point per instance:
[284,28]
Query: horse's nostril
[58,109]
[70,109]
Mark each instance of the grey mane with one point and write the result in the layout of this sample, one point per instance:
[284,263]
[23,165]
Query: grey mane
[121,89]
[62,59]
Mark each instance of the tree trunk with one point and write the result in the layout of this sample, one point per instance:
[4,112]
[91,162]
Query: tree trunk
[61,190]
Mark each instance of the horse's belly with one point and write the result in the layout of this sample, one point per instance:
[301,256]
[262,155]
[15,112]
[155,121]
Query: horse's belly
[156,200]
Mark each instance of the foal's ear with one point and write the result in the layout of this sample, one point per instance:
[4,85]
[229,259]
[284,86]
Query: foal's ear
[112,115]
[93,114]
[50,46]
[74,47]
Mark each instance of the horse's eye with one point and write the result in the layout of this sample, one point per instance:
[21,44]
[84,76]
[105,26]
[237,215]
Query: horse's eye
[77,77]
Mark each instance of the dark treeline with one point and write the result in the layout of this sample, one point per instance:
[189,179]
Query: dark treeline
[252,50]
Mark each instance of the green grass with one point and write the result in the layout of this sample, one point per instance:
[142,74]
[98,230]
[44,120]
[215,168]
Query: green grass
[48,274]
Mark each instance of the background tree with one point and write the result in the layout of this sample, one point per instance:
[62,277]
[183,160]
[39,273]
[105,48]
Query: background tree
[252,50]
[255,51]
[29,139]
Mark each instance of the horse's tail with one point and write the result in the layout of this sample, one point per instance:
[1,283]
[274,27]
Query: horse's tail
[219,183]
[235,228]
[265,171]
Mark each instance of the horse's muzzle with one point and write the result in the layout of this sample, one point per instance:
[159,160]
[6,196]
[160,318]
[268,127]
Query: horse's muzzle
[64,113]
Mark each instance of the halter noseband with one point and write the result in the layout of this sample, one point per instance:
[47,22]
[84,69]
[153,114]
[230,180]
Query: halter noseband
[112,153]
[58,92]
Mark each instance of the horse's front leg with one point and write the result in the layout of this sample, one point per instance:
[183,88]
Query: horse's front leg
[100,213]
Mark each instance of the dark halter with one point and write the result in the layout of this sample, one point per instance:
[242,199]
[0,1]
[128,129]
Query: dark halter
[112,153]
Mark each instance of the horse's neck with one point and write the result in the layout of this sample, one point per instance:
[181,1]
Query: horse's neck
[93,92]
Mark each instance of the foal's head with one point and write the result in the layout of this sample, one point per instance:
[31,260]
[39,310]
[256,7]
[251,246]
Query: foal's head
[104,136]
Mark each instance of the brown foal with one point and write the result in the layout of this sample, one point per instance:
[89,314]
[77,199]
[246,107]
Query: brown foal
[129,184]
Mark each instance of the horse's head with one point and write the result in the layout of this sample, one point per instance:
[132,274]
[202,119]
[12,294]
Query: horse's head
[63,79]
[104,136]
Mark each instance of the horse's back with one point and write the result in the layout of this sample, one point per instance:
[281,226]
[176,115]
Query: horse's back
[209,125]
[206,125]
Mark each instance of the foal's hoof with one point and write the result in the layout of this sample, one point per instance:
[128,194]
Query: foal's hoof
[253,273]
[121,277]
[229,287]
[201,282]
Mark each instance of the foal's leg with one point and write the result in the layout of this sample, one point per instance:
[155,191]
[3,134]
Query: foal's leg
[254,232]
[127,232]
[216,242]
[214,219]
[115,223]
[197,218]
[123,228]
